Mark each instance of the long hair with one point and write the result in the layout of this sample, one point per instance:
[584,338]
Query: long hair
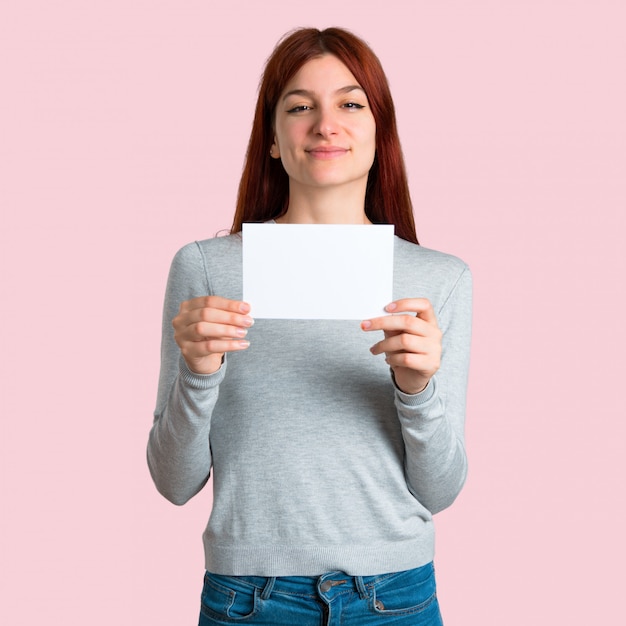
[264,186]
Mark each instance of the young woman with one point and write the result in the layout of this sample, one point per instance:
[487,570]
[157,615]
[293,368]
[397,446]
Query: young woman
[331,444]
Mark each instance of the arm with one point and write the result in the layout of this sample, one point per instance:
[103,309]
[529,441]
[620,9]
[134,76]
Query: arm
[432,358]
[179,455]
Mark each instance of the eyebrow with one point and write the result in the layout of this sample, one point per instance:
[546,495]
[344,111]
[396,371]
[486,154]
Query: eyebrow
[307,93]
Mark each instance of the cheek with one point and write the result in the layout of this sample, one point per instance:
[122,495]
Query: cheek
[288,134]
[368,135]
[370,141]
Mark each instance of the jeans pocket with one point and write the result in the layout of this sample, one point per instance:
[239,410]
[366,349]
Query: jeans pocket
[229,599]
[410,592]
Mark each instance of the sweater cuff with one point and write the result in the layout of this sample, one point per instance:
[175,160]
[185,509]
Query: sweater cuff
[201,381]
[416,399]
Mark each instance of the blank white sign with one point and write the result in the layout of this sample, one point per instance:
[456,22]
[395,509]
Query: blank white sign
[317,271]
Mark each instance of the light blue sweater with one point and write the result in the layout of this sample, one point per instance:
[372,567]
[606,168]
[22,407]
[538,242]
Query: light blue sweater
[319,462]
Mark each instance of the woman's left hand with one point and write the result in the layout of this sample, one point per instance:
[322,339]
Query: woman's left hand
[412,343]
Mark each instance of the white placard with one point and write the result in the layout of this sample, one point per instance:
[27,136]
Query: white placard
[317,271]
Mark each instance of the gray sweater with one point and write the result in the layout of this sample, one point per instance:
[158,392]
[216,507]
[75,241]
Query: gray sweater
[319,462]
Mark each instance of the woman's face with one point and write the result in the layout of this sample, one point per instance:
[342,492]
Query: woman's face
[325,134]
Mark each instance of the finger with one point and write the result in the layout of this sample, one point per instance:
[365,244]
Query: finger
[202,331]
[400,324]
[200,349]
[201,317]
[403,343]
[216,316]
[224,345]
[215,302]
[413,361]
[422,307]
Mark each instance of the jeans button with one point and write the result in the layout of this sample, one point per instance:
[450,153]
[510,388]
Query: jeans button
[326,586]
[379,605]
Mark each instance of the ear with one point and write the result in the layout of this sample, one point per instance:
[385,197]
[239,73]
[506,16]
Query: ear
[274,151]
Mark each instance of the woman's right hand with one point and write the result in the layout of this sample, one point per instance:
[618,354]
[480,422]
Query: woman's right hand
[207,327]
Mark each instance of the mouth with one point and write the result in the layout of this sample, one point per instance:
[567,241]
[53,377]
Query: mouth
[327,152]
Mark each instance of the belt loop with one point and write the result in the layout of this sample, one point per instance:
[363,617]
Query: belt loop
[360,585]
[267,590]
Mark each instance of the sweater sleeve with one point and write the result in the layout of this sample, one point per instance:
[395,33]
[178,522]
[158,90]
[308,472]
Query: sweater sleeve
[179,456]
[433,421]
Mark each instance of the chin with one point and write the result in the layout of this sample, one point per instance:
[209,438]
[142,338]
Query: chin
[330,179]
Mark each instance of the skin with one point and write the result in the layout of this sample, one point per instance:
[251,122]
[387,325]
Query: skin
[325,136]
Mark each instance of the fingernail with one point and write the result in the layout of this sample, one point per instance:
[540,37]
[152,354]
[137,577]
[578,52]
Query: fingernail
[391,307]
[244,307]
[241,332]
[366,325]
[244,344]
[248,321]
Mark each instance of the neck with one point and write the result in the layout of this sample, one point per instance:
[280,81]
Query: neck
[326,206]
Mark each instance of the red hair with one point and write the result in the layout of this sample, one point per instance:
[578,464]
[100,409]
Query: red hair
[264,186]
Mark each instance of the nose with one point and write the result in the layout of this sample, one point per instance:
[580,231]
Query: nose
[326,123]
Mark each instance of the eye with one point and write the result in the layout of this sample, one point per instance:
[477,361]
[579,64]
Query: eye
[353,105]
[299,108]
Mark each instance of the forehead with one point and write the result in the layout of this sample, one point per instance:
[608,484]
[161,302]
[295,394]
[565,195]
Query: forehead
[322,73]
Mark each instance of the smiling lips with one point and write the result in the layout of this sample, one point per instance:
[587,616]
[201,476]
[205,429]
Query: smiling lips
[327,152]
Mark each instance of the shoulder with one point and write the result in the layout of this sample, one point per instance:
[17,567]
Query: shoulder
[411,253]
[215,262]
[214,245]
[195,253]
[220,244]
[420,271]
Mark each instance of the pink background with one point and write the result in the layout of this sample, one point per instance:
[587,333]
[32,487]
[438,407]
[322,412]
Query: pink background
[123,126]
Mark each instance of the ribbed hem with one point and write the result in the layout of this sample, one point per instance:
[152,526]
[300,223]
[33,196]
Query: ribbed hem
[201,381]
[418,399]
[366,560]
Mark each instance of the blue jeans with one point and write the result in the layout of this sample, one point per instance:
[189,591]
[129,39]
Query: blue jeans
[330,600]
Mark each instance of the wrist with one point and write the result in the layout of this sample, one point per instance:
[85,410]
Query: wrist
[205,366]
[410,388]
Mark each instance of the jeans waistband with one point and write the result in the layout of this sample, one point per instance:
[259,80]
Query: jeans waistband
[327,585]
